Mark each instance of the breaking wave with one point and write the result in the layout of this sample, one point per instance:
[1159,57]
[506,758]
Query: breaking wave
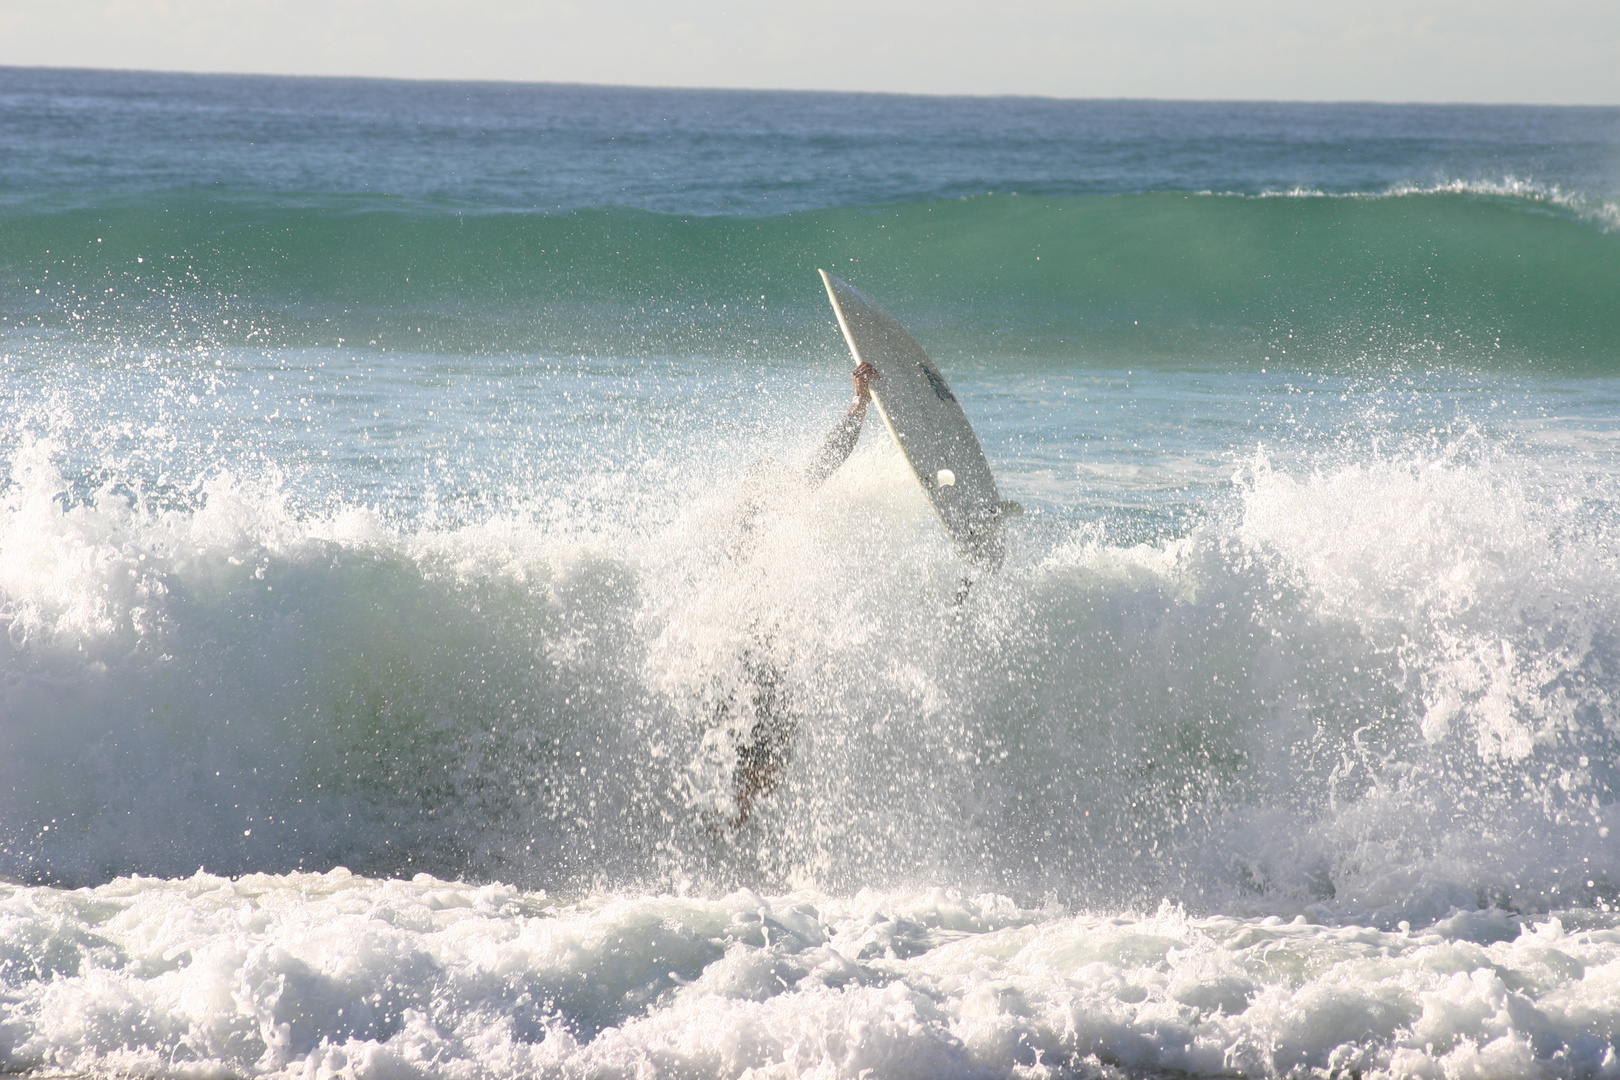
[1385,689]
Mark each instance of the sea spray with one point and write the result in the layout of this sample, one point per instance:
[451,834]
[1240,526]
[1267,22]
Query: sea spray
[1384,667]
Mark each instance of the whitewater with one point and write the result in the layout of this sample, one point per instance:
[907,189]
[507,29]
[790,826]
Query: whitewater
[396,501]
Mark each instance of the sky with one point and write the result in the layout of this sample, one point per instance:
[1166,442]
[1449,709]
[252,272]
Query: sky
[1548,52]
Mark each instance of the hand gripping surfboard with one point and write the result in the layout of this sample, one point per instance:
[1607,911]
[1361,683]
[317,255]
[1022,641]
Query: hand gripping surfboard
[927,424]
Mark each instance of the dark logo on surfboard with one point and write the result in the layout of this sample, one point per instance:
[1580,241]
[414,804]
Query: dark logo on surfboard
[941,391]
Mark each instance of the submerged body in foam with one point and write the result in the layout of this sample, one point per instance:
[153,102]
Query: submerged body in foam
[367,630]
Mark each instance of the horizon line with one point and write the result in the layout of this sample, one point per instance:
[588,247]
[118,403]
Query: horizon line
[1123,99]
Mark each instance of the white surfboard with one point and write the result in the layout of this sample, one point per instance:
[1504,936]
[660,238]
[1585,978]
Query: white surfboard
[927,424]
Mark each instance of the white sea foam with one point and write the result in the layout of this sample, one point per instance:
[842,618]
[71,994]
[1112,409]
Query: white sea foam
[1603,213]
[335,975]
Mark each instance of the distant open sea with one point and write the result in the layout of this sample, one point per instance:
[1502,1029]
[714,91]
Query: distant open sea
[372,456]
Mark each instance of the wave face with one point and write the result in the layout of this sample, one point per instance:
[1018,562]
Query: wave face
[1467,278]
[406,575]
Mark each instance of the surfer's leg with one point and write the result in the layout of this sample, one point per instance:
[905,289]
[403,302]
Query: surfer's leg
[768,746]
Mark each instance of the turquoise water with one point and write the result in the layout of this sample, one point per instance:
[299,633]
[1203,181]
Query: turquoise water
[388,536]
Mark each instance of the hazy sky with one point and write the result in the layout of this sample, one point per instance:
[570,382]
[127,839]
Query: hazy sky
[1552,51]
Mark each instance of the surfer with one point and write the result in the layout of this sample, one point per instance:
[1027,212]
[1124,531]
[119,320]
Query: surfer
[765,748]
[752,722]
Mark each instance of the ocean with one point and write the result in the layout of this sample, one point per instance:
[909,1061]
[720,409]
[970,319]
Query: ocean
[398,537]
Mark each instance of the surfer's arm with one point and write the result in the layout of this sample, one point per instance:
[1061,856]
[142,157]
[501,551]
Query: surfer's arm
[841,440]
